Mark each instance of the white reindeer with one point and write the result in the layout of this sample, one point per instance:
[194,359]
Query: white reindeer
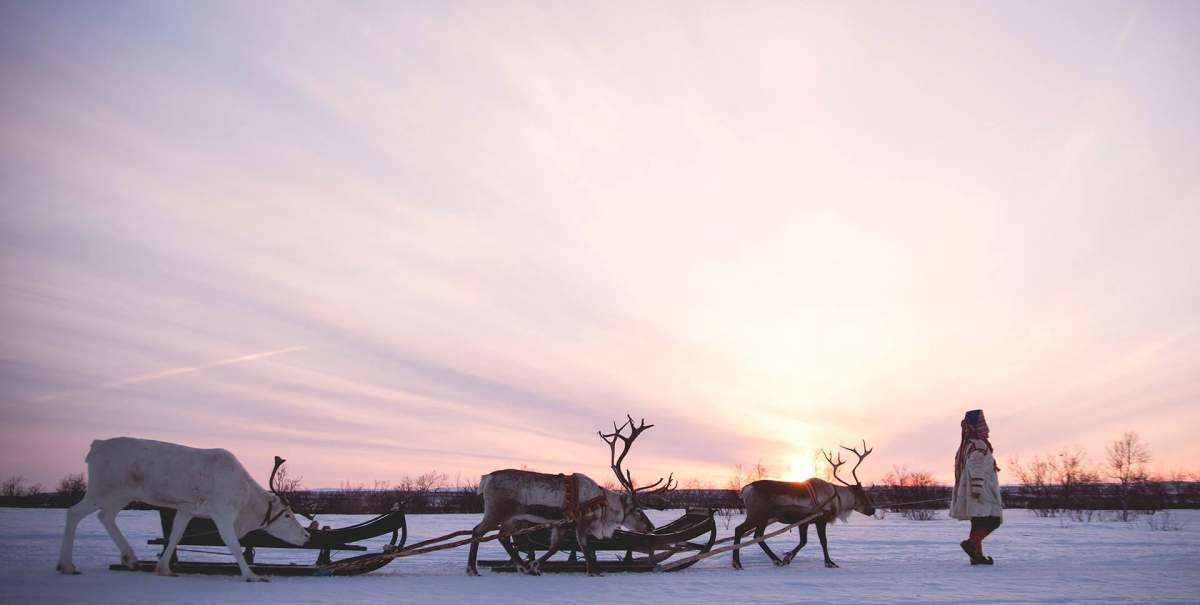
[195,482]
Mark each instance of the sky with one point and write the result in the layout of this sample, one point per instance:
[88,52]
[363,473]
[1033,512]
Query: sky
[382,238]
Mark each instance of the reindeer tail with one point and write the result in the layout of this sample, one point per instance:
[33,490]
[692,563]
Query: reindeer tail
[746,492]
[483,481]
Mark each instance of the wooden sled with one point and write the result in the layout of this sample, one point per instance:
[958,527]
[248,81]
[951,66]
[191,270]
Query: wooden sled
[694,532]
[202,532]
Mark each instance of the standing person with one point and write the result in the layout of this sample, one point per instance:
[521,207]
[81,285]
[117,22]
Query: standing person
[976,488]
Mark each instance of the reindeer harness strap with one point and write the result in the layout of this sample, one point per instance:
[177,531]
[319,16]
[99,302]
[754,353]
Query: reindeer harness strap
[571,505]
[812,493]
[268,518]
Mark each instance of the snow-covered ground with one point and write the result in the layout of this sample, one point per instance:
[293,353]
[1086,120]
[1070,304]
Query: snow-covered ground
[882,561]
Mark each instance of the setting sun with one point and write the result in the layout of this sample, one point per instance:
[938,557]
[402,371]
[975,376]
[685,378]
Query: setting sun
[800,467]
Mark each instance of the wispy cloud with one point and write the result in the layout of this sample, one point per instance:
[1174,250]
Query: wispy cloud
[132,380]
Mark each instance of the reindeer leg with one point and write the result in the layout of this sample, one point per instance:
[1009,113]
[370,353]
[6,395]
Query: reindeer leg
[177,528]
[230,538]
[737,540]
[473,555]
[488,522]
[515,555]
[758,533]
[108,518]
[550,550]
[824,543]
[472,570]
[589,551]
[75,514]
[523,566]
[803,529]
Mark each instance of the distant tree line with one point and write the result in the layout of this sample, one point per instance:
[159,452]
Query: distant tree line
[914,501]
[15,492]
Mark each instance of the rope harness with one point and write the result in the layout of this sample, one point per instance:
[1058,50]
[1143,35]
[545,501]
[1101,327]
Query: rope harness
[572,508]
[267,518]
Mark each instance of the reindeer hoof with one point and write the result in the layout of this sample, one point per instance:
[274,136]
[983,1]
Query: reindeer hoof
[67,569]
[166,573]
[830,564]
[472,572]
[257,579]
[737,566]
[129,559]
[780,563]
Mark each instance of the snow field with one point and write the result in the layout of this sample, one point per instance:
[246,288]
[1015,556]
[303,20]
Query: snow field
[889,560]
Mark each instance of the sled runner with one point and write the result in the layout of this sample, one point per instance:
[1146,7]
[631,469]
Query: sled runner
[202,532]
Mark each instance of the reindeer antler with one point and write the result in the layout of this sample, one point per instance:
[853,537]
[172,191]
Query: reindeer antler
[624,477]
[861,456]
[271,483]
[834,465]
[667,488]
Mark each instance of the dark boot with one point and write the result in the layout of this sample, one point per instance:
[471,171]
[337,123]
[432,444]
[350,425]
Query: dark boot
[969,547]
[972,548]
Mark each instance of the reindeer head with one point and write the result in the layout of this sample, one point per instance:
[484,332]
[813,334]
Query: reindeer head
[862,500]
[634,499]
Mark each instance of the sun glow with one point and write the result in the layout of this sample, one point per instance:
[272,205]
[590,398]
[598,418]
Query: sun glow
[800,468]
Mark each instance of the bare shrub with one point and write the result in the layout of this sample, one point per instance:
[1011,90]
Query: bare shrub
[72,487]
[913,492]
[1037,483]
[423,483]
[1164,521]
[291,489]
[15,486]
[742,477]
[285,483]
[1058,484]
[1127,458]
[726,515]
[416,493]
[469,498]
[1084,515]
[1076,483]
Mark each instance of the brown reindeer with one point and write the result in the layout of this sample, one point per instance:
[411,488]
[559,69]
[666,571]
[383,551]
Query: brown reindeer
[786,502]
[513,499]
